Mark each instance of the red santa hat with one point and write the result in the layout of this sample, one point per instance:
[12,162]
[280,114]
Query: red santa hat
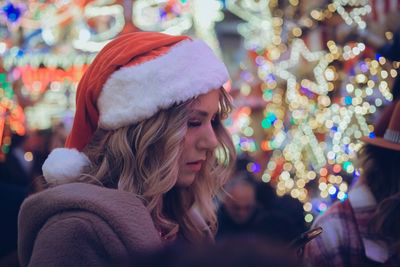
[132,78]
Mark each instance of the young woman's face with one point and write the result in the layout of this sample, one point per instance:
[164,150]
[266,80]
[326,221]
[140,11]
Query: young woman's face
[200,137]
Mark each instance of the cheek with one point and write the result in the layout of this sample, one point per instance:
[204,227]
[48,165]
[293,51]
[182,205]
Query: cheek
[189,142]
[186,152]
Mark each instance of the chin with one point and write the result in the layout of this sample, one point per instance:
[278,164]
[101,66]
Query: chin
[185,181]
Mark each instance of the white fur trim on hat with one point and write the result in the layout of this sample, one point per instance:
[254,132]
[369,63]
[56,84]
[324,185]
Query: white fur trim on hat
[131,94]
[64,164]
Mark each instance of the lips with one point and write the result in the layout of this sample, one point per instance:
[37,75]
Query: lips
[194,166]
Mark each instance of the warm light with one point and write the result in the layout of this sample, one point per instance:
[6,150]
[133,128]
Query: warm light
[28,156]
[3,47]
[266,178]
[307,206]
[296,32]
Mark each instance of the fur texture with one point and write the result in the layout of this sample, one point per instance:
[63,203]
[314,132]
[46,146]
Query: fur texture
[80,224]
[134,93]
[64,164]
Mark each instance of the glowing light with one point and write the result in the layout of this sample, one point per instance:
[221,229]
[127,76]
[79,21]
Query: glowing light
[329,74]
[300,183]
[258,30]
[307,206]
[343,187]
[3,47]
[341,195]
[310,135]
[354,16]
[296,32]
[311,175]
[332,190]
[248,131]
[93,43]
[337,168]
[309,218]
[322,186]
[319,86]
[295,193]
[179,17]
[324,194]
[323,172]
[28,156]
[252,167]
[266,178]
[322,207]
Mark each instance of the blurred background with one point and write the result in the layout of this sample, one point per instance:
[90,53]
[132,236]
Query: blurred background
[308,78]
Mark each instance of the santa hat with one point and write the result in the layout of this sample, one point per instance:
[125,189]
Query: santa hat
[132,78]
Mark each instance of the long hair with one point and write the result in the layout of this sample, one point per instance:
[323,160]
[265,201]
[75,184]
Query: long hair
[143,159]
[381,171]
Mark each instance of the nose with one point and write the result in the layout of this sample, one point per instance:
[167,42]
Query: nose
[208,140]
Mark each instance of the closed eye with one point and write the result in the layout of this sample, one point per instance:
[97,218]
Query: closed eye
[194,123]
[215,120]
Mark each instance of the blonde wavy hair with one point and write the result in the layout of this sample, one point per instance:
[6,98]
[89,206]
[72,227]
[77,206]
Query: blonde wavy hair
[143,159]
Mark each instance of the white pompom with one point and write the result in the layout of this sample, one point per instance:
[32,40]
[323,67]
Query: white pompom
[64,164]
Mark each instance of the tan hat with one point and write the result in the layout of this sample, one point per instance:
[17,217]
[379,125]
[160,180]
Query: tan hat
[391,136]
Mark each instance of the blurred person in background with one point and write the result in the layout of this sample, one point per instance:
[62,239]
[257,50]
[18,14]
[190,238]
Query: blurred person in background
[285,207]
[15,178]
[364,229]
[252,207]
[16,169]
[239,212]
[22,164]
[43,142]
[268,200]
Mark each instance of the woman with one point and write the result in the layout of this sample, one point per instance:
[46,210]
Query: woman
[363,230]
[140,166]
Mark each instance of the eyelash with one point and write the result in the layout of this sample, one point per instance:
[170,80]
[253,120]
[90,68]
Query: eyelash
[197,123]
[193,124]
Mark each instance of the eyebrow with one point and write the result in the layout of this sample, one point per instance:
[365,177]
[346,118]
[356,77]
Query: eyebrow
[202,112]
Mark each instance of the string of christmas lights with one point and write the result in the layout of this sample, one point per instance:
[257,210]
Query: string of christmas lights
[326,107]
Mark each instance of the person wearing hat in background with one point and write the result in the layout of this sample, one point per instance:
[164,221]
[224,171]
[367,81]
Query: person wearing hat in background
[139,166]
[363,230]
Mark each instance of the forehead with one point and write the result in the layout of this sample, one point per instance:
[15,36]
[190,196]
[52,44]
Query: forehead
[243,193]
[208,101]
